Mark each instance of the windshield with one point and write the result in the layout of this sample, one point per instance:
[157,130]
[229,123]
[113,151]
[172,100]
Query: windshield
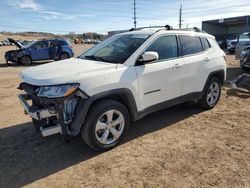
[245,36]
[29,44]
[116,49]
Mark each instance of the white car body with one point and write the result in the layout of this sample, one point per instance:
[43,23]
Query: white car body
[174,78]
[143,83]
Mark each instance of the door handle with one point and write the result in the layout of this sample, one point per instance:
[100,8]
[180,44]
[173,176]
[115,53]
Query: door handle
[177,65]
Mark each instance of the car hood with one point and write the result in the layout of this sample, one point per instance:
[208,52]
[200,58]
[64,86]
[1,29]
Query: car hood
[18,44]
[65,71]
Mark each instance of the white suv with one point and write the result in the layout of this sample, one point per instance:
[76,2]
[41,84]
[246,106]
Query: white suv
[123,79]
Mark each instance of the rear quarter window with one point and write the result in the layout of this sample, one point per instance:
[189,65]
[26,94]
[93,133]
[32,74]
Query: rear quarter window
[190,45]
[205,43]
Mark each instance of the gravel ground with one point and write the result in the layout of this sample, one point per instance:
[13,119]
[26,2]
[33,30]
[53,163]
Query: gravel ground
[183,146]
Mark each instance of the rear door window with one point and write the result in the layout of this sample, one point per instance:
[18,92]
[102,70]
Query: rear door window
[165,46]
[190,45]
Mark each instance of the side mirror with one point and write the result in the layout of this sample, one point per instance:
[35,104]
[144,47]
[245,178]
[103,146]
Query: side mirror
[147,57]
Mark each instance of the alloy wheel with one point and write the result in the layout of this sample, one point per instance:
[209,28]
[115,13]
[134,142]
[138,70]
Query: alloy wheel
[109,127]
[26,60]
[213,93]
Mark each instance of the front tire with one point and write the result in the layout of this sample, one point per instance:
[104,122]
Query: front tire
[25,60]
[106,125]
[212,94]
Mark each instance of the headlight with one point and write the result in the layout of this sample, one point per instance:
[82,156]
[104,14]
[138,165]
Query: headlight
[57,91]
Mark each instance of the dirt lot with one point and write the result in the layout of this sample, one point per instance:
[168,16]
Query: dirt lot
[182,146]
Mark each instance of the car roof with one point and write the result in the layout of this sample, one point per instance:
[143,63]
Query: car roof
[151,31]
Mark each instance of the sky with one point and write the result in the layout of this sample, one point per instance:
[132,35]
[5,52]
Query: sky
[101,16]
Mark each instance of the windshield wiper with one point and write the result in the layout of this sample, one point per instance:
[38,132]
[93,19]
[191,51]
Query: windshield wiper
[95,58]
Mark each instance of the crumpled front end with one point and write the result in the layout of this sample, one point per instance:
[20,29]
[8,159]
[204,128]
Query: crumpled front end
[51,114]
[12,56]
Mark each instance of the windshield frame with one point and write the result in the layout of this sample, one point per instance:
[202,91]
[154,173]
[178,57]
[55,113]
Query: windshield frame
[139,40]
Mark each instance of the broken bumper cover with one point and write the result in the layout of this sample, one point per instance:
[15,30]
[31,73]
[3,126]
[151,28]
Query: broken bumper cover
[39,115]
[36,114]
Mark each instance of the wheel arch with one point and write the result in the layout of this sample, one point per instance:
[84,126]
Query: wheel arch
[123,96]
[63,52]
[220,74]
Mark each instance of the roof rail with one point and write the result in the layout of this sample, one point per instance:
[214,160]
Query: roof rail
[196,29]
[168,27]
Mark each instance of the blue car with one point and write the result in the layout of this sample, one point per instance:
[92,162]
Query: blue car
[47,49]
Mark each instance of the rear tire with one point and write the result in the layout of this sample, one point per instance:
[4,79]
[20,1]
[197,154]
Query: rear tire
[106,125]
[25,60]
[64,56]
[211,95]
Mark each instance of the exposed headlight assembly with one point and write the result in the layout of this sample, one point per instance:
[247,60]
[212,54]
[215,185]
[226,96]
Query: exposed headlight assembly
[57,91]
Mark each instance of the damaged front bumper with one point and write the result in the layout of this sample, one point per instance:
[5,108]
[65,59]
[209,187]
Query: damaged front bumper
[52,116]
[35,114]
[39,115]
[11,56]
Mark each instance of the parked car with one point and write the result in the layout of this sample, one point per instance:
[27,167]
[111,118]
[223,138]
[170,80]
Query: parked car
[123,79]
[231,43]
[96,41]
[87,41]
[24,42]
[6,43]
[242,42]
[53,49]
[1,43]
[221,42]
[245,58]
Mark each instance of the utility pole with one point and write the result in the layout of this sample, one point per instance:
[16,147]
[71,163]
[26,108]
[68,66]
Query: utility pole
[180,17]
[134,14]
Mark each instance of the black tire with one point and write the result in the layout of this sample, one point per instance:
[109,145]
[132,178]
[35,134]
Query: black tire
[25,60]
[64,56]
[96,113]
[204,102]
